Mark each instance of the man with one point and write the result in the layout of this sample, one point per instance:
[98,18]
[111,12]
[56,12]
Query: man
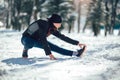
[36,36]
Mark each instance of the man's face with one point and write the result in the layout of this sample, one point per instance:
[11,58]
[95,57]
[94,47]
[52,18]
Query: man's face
[57,25]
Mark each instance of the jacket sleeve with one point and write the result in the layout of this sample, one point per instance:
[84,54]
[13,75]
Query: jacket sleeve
[65,38]
[45,45]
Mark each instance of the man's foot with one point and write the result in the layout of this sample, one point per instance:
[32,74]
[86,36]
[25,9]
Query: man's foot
[24,54]
[80,52]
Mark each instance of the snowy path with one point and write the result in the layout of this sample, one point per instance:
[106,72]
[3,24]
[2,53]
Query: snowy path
[101,62]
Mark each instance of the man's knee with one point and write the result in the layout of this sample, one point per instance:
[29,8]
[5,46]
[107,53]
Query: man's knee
[27,42]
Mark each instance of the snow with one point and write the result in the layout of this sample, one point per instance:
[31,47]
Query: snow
[1,24]
[100,62]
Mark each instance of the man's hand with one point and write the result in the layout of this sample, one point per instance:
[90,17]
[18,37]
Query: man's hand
[81,45]
[52,57]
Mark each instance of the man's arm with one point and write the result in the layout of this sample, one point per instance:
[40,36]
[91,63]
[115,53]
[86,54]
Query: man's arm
[46,48]
[65,38]
[45,45]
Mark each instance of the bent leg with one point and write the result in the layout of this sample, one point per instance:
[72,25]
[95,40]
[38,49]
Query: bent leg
[38,44]
[60,50]
[27,42]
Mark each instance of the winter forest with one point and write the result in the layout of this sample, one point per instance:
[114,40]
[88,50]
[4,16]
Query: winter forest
[99,14]
[95,23]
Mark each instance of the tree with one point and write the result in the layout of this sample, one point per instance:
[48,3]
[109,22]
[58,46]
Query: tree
[62,7]
[37,8]
[118,20]
[79,16]
[107,18]
[71,20]
[89,8]
[96,16]
[27,7]
[15,14]
[8,15]
[15,11]
[111,14]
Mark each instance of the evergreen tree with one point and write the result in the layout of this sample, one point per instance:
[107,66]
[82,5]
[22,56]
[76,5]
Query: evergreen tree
[27,7]
[15,19]
[96,16]
[38,8]
[20,12]
[62,7]
[16,8]
[110,15]
[113,14]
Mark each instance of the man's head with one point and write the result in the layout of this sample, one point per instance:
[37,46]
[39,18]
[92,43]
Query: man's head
[56,20]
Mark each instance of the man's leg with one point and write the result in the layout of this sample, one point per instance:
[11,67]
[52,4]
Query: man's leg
[60,50]
[55,48]
[28,43]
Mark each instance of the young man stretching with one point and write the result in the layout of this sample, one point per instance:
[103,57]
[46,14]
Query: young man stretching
[36,36]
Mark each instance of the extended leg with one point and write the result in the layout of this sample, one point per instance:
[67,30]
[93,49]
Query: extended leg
[55,48]
[60,50]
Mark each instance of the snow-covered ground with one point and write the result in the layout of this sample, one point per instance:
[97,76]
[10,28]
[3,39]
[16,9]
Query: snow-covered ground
[101,61]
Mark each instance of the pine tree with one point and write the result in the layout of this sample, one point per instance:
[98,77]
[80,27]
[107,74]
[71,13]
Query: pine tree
[62,7]
[96,16]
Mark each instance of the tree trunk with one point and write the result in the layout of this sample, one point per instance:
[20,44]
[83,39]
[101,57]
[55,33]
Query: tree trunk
[7,20]
[70,27]
[35,15]
[106,18]
[8,17]
[119,32]
[86,23]
[113,16]
[94,28]
[79,16]
[35,10]
[85,26]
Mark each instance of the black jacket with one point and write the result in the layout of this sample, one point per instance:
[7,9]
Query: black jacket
[40,29]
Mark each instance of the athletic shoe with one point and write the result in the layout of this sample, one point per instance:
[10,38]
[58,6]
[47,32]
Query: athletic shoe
[24,54]
[80,52]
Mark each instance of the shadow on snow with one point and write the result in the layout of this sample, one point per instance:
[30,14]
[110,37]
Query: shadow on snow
[28,61]
[22,61]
